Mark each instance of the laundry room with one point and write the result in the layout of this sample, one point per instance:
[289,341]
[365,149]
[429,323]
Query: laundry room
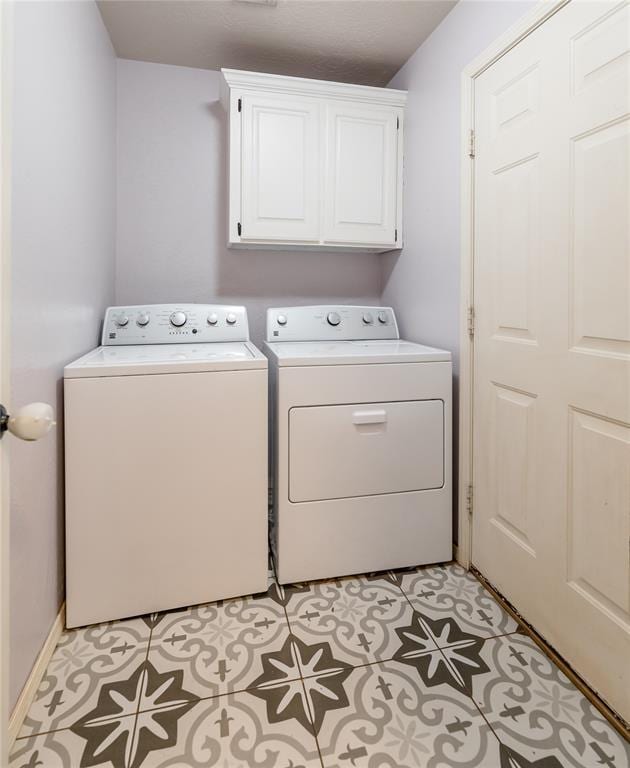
[315,383]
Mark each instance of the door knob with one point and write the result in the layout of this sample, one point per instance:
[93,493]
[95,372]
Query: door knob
[30,422]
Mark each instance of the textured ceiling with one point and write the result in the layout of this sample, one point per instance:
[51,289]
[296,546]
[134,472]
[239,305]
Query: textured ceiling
[356,41]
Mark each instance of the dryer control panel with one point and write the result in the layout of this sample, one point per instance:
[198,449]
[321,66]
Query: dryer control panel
[331,322]
[174,324]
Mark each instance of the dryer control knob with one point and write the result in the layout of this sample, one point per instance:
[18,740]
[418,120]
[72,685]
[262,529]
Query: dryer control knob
[230,318]
[282,319]
[213,318]
[333,318]
[178,319]
[382,317]
[121,321]
[367,318]
[143,319]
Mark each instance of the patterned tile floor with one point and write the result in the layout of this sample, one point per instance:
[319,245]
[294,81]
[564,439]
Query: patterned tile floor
[394,670]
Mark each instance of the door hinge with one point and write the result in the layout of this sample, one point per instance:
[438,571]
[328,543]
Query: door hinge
[471,144]
[469,499]
[239,228]
[240,104]
[471,322]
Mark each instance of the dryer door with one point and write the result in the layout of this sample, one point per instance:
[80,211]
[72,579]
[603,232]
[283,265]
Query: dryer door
[342,451]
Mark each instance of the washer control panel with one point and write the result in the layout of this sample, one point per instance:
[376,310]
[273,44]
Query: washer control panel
[174,324]
[324,323]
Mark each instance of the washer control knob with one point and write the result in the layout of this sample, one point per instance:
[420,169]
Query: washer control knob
[282,319]
[333,318]
[382,317]
[178,319]
[367,318]
[143,319]
[121,321]
[213,318]
[230,318]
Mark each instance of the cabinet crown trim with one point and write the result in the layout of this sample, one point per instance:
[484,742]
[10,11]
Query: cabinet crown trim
[259,81]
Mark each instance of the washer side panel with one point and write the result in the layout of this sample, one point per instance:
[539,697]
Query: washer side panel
[166,491]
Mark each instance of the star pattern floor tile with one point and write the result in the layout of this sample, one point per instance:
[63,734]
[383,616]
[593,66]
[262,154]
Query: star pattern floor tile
[356,616]
[532,706]
[395,719]
[453,592]
[419,668]
[220,646]
[84,661]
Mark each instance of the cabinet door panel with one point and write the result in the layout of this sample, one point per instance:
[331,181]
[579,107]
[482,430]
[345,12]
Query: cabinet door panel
[361,174]
[280,169]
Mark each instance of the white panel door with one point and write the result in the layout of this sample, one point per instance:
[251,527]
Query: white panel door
[361,174]
[551,525]
[280,168]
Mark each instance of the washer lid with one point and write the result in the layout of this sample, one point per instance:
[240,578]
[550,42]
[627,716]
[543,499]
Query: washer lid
[352,352]
[157,358]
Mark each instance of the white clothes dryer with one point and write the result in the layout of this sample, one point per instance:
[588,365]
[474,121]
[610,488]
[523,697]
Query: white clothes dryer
[361,443]
[166,463]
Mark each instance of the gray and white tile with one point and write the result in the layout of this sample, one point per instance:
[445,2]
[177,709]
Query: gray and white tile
[318,690]
[536,710]
[394,720]
[232,731]
[355,676]
[56,749]
[130,717]
[454,592]
[85,659]
[356,616]
[440,652]
[219,646]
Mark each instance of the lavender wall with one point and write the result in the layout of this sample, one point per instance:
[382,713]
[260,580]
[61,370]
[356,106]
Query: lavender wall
[172,219]
[63,223]
[171,231]
[422,281]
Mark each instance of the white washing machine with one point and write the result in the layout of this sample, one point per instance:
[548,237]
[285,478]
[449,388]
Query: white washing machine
[166,463]
[361,443]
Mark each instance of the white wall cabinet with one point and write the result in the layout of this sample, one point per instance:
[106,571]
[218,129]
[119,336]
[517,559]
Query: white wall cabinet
[313,164]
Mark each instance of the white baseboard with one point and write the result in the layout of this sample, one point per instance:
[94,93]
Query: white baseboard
[25,699]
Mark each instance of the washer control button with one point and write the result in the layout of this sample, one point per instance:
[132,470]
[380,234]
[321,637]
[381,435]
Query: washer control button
[230,318]
[178,319]
[121,321]
[382,317]
[213,318]
[333,318]
[143,319]
[282,319]
[367,318]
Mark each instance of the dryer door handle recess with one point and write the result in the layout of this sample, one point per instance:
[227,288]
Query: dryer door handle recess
[370,417]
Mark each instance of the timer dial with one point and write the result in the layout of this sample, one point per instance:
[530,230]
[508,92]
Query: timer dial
[333,318]
[178,319]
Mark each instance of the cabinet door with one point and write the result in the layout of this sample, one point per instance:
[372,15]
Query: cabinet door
[361,174]
[280,169]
